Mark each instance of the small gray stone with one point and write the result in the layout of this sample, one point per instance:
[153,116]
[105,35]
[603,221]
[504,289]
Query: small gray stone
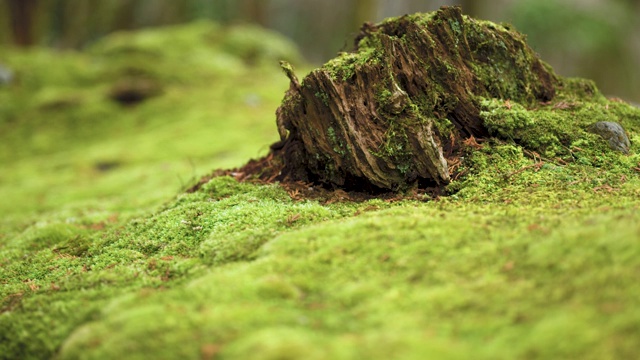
[613,133]
[6,75]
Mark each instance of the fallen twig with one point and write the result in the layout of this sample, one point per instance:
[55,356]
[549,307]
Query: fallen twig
[537,166]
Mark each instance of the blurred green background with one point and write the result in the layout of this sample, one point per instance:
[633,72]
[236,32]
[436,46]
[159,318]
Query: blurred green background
[104,255]
[596,39]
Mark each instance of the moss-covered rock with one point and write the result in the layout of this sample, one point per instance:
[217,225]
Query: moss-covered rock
[613,133]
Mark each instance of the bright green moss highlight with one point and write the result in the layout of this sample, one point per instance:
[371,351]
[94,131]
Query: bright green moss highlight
[343,66]
[558,128]
[401,282]
[103,255]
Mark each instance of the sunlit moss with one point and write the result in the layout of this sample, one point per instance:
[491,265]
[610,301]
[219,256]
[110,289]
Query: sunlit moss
[530,255]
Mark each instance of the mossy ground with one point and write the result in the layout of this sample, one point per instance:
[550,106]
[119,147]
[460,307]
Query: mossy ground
[99,258]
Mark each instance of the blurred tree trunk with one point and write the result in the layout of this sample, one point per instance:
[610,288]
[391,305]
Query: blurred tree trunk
[255,11]
[76,22]
[471,7]
[363,11]
[160,12]
[21,16]
[125,18]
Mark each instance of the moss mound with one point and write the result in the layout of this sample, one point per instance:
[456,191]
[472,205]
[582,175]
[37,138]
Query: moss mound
[401,110]
[534,255]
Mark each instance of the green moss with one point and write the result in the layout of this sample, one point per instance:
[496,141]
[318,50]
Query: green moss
[559,128]
[224,222]
[323,97]
[578,88]
[443,127]
[383,96]
[343,67]
[77,167]
[258,46]
[338,146]
[117,160]
[222,51]
[332,290]
[506,70]
[521,260]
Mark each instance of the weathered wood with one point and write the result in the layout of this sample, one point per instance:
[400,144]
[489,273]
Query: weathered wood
[380,117]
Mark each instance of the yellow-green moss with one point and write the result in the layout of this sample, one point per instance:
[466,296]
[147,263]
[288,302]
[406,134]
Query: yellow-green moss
[522,260]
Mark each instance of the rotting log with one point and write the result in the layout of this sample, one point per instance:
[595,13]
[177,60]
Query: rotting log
[390,114]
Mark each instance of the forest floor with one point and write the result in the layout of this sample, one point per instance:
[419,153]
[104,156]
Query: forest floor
[105,254]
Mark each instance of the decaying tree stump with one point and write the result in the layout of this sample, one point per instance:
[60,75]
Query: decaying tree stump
[390,113]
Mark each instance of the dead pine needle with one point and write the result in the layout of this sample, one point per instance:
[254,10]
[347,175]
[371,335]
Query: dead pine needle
[535,166]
